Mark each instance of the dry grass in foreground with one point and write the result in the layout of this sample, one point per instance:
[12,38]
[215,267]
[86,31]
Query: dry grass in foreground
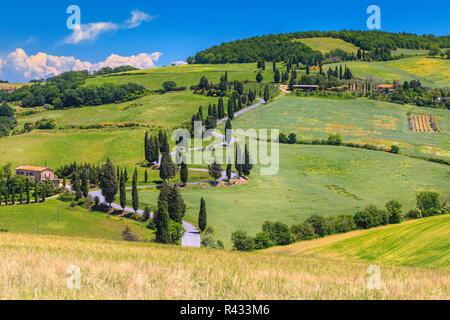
[34,267]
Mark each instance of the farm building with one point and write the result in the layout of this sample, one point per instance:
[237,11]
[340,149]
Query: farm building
[37,173]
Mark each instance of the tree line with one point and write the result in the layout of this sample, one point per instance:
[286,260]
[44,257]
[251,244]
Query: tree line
[68,91]
[281,46]
[278,233]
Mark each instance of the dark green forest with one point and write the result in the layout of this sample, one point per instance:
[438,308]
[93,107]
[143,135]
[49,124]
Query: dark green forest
[280,47]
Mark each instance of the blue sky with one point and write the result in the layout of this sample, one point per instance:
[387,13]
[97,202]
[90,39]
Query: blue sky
[178,29]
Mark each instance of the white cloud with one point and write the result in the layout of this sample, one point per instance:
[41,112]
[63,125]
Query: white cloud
[179,63]
[90,31]
[20,67]
[137,17]
[140,61]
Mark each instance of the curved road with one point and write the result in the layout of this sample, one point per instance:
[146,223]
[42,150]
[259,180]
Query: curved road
[191,237]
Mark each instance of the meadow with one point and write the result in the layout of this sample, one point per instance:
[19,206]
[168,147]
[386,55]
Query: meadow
[54,217]
[306,184]
[168,110]
[420,243]
[125,270]
[361,121]
[432,72]
[184,75]
[325,45]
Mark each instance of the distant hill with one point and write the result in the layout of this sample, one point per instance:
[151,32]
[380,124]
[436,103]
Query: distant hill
[280,46]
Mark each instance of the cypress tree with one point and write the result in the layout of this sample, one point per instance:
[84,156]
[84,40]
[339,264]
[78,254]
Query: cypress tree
[162,224]
[108,182]
[215,170]
[134,191]
[164,193]
[20,194]
[27,190]
[230,109]
[266,94]
[239,160]
[167,169]
[84,183]
[202,219]
[13,196]
[161,140]
[122,192]
[36,195]
[76,186]
[176,206]
[229,171]
[247,167]
[277,76]
[228,131]
[274,66]
[146,176]
[184,172]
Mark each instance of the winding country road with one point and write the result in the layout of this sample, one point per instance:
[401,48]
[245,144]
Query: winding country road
[191,237]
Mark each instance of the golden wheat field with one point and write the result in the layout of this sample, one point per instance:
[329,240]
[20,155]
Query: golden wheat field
[35,267]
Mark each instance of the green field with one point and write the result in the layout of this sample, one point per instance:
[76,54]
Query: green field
[304,186]
[184,75]
[327,44]
[362,121]
[409,52]
[58,218]
[420,243]
[168,110]
[432,72]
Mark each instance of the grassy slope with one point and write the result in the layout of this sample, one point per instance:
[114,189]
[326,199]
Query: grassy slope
[300,188]
[184,75]
[423,242]
[327,44]
[74,222]
[176,108]
[431,72]
[363,121]
[120,270]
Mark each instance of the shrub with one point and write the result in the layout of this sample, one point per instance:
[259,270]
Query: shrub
[317,223]
[66,196]
[278,232]
[395,149]
[176,231]
[242,241]
[335,139]
[169,86]
[127,235]
[414,213]
[292,139]
[208,241]
[428,203]
[303,231]
[263,241]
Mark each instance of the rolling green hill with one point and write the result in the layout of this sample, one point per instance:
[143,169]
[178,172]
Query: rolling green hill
[420,243]
[184,75]
[432,72]
[362,121]
[54,217]
[305,185]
